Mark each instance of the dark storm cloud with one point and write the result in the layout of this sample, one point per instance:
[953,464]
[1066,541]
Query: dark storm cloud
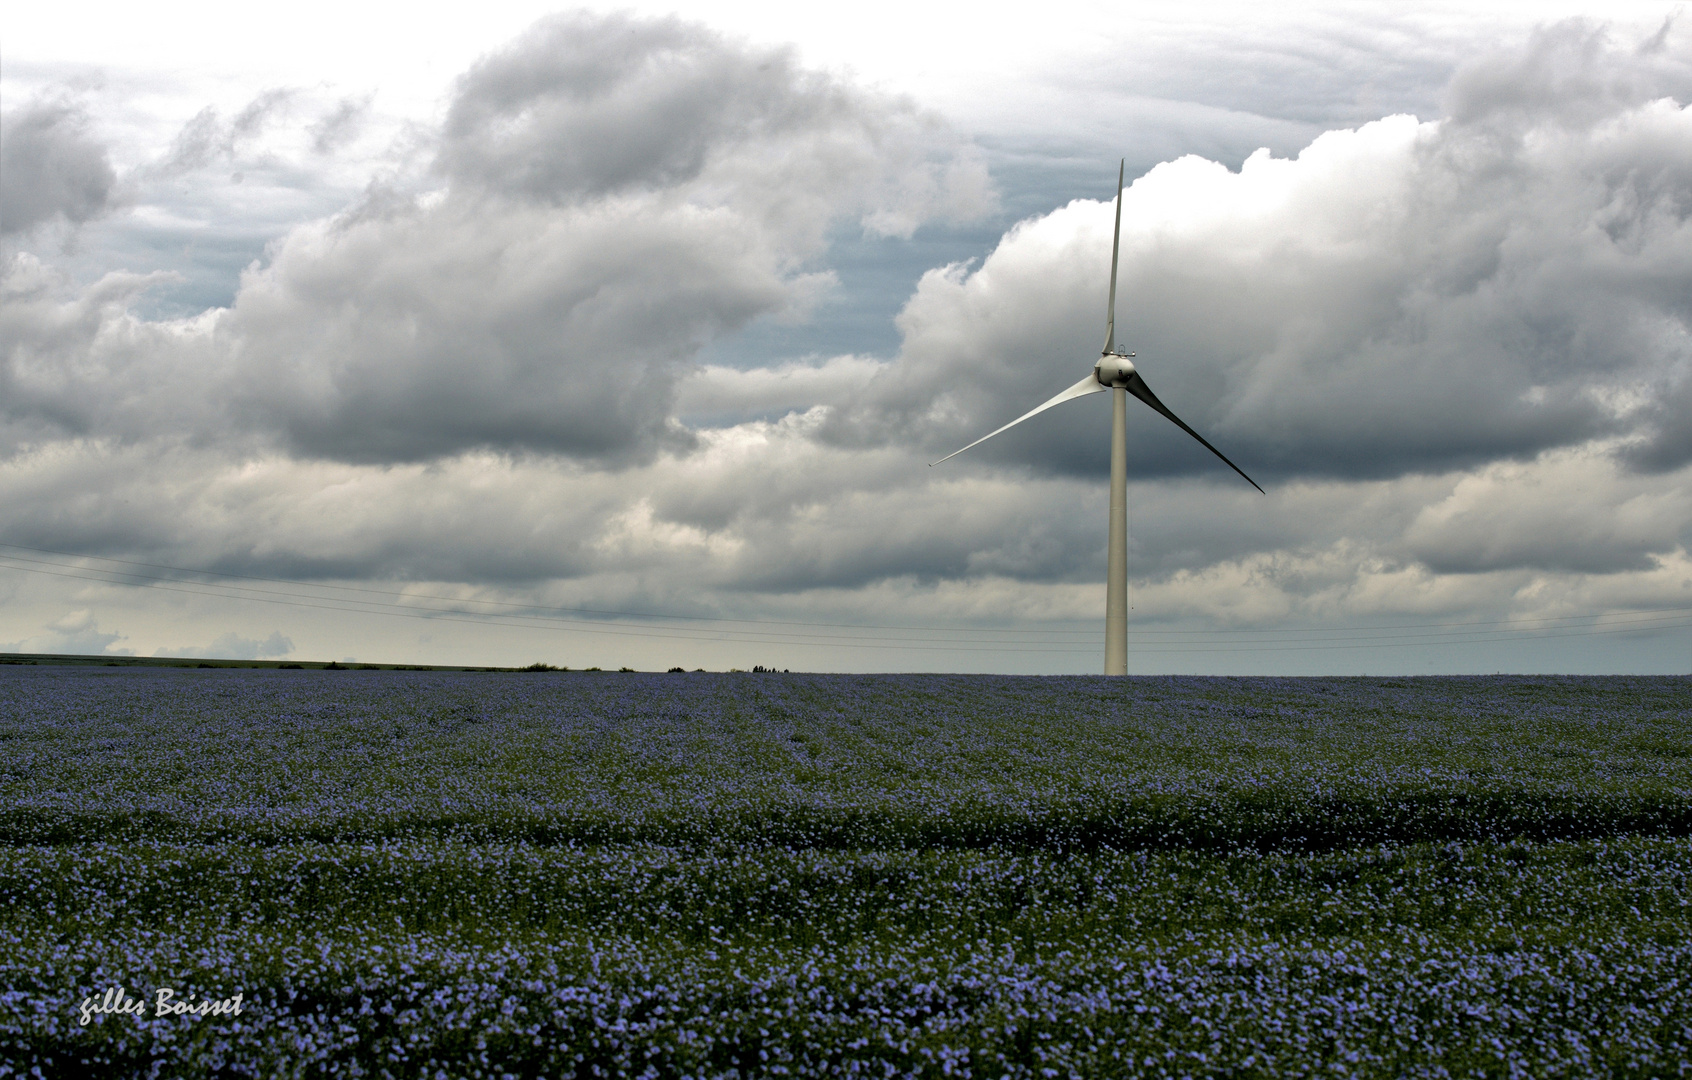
[51,167]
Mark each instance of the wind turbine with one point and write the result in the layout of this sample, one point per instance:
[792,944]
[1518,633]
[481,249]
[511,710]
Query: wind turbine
[1115,372]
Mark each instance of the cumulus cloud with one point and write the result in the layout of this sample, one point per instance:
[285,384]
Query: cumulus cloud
[51,167]
[585,105]
[559,330]
[79,363]
[232,646]
[548,297]
[78,633]
[1404,297]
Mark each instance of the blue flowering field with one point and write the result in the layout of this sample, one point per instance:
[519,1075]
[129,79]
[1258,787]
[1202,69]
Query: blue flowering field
[704,875]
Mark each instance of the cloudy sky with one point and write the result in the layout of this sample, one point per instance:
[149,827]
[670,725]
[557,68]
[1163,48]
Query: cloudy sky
[624,336]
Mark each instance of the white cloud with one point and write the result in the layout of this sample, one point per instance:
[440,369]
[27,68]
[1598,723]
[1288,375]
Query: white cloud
[77,633]
[1404,297]
[715,392]
[209,139]
[232,646]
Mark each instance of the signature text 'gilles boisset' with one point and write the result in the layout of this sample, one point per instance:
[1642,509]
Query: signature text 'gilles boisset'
[116,1001]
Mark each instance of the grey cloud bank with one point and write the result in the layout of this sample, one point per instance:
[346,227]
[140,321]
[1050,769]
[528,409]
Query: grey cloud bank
[1421,334]
[50,167]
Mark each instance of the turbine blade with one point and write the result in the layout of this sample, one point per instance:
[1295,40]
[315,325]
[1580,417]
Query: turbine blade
[1089,385]
[1115,248]
[1137,386]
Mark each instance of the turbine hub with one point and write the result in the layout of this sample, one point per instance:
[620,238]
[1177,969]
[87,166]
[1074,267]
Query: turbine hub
[1113,369]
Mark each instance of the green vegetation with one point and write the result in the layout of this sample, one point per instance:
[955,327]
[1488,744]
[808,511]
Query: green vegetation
[409,873]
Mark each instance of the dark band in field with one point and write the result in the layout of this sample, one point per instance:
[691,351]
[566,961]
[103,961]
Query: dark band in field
[734,875]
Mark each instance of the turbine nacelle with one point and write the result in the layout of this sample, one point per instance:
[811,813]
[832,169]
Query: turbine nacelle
[1114,369]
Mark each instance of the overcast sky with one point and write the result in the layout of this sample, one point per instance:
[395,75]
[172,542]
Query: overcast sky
[624,336]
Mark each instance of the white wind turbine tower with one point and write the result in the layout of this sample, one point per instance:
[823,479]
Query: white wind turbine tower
[1115,372]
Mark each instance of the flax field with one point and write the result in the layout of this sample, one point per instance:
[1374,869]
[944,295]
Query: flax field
[488,874]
